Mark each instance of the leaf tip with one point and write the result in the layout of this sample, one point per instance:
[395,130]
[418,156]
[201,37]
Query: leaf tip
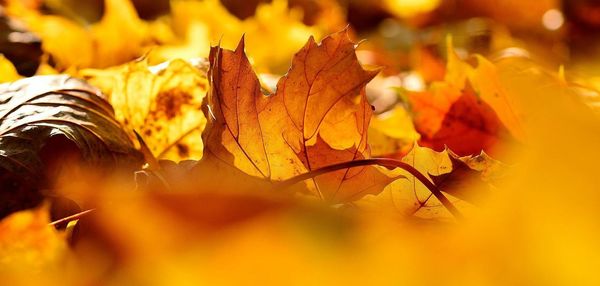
[241,44]
[148,156]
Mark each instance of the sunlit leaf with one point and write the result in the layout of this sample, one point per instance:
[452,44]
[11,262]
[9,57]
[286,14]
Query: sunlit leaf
[318,116]
[95,46]
[162,103]
[468,180]
[392,133]
[469,111]
[203,23]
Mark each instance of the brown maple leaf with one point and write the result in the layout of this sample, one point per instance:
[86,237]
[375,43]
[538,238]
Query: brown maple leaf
[319,116]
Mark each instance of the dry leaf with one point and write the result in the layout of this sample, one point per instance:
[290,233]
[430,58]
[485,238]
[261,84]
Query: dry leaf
[162,103]
[467,180]
[467,125]
[319,116]
[469,111]
[470,178]
[42,120]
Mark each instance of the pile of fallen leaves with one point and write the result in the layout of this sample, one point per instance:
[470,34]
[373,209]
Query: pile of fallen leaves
[132,151]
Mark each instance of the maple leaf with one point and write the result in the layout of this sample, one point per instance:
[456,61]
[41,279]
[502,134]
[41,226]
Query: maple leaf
[485,82]
[410,196]
[465,123]
[468,112]
[162,103]
[318,116]
[45,119]
[468,180]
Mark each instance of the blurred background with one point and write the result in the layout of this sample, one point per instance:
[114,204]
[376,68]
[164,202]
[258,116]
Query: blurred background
[402,34]
[405,37]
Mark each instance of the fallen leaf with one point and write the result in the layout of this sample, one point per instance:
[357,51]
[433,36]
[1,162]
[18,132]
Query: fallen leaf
[466,112]
[60,37]
[42,120]
[207,22]
[483,78]
[467,180]
[470,178]
[488,86]
[318,116]
[96,45]
[411,197]
[467,125]
[120,18]
[162,103]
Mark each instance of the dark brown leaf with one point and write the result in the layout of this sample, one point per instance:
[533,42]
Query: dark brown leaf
[47,120]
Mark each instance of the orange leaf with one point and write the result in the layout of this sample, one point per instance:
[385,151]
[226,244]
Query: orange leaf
[469,111]
[467,125]
[319,116]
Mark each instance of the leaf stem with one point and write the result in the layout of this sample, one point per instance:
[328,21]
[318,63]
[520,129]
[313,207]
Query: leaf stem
[71,217]
[385,162]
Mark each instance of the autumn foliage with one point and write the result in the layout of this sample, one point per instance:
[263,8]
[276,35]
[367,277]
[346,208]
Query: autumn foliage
[202,146]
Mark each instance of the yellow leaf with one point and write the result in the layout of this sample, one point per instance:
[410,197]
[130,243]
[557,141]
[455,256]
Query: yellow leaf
[485,81]
[392,132]
[162,103]
[457,69]
[465,180]
[272,23]
[409,196]
[119,36]
[100,45]
[8,72]
[61,38]
[196,44]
